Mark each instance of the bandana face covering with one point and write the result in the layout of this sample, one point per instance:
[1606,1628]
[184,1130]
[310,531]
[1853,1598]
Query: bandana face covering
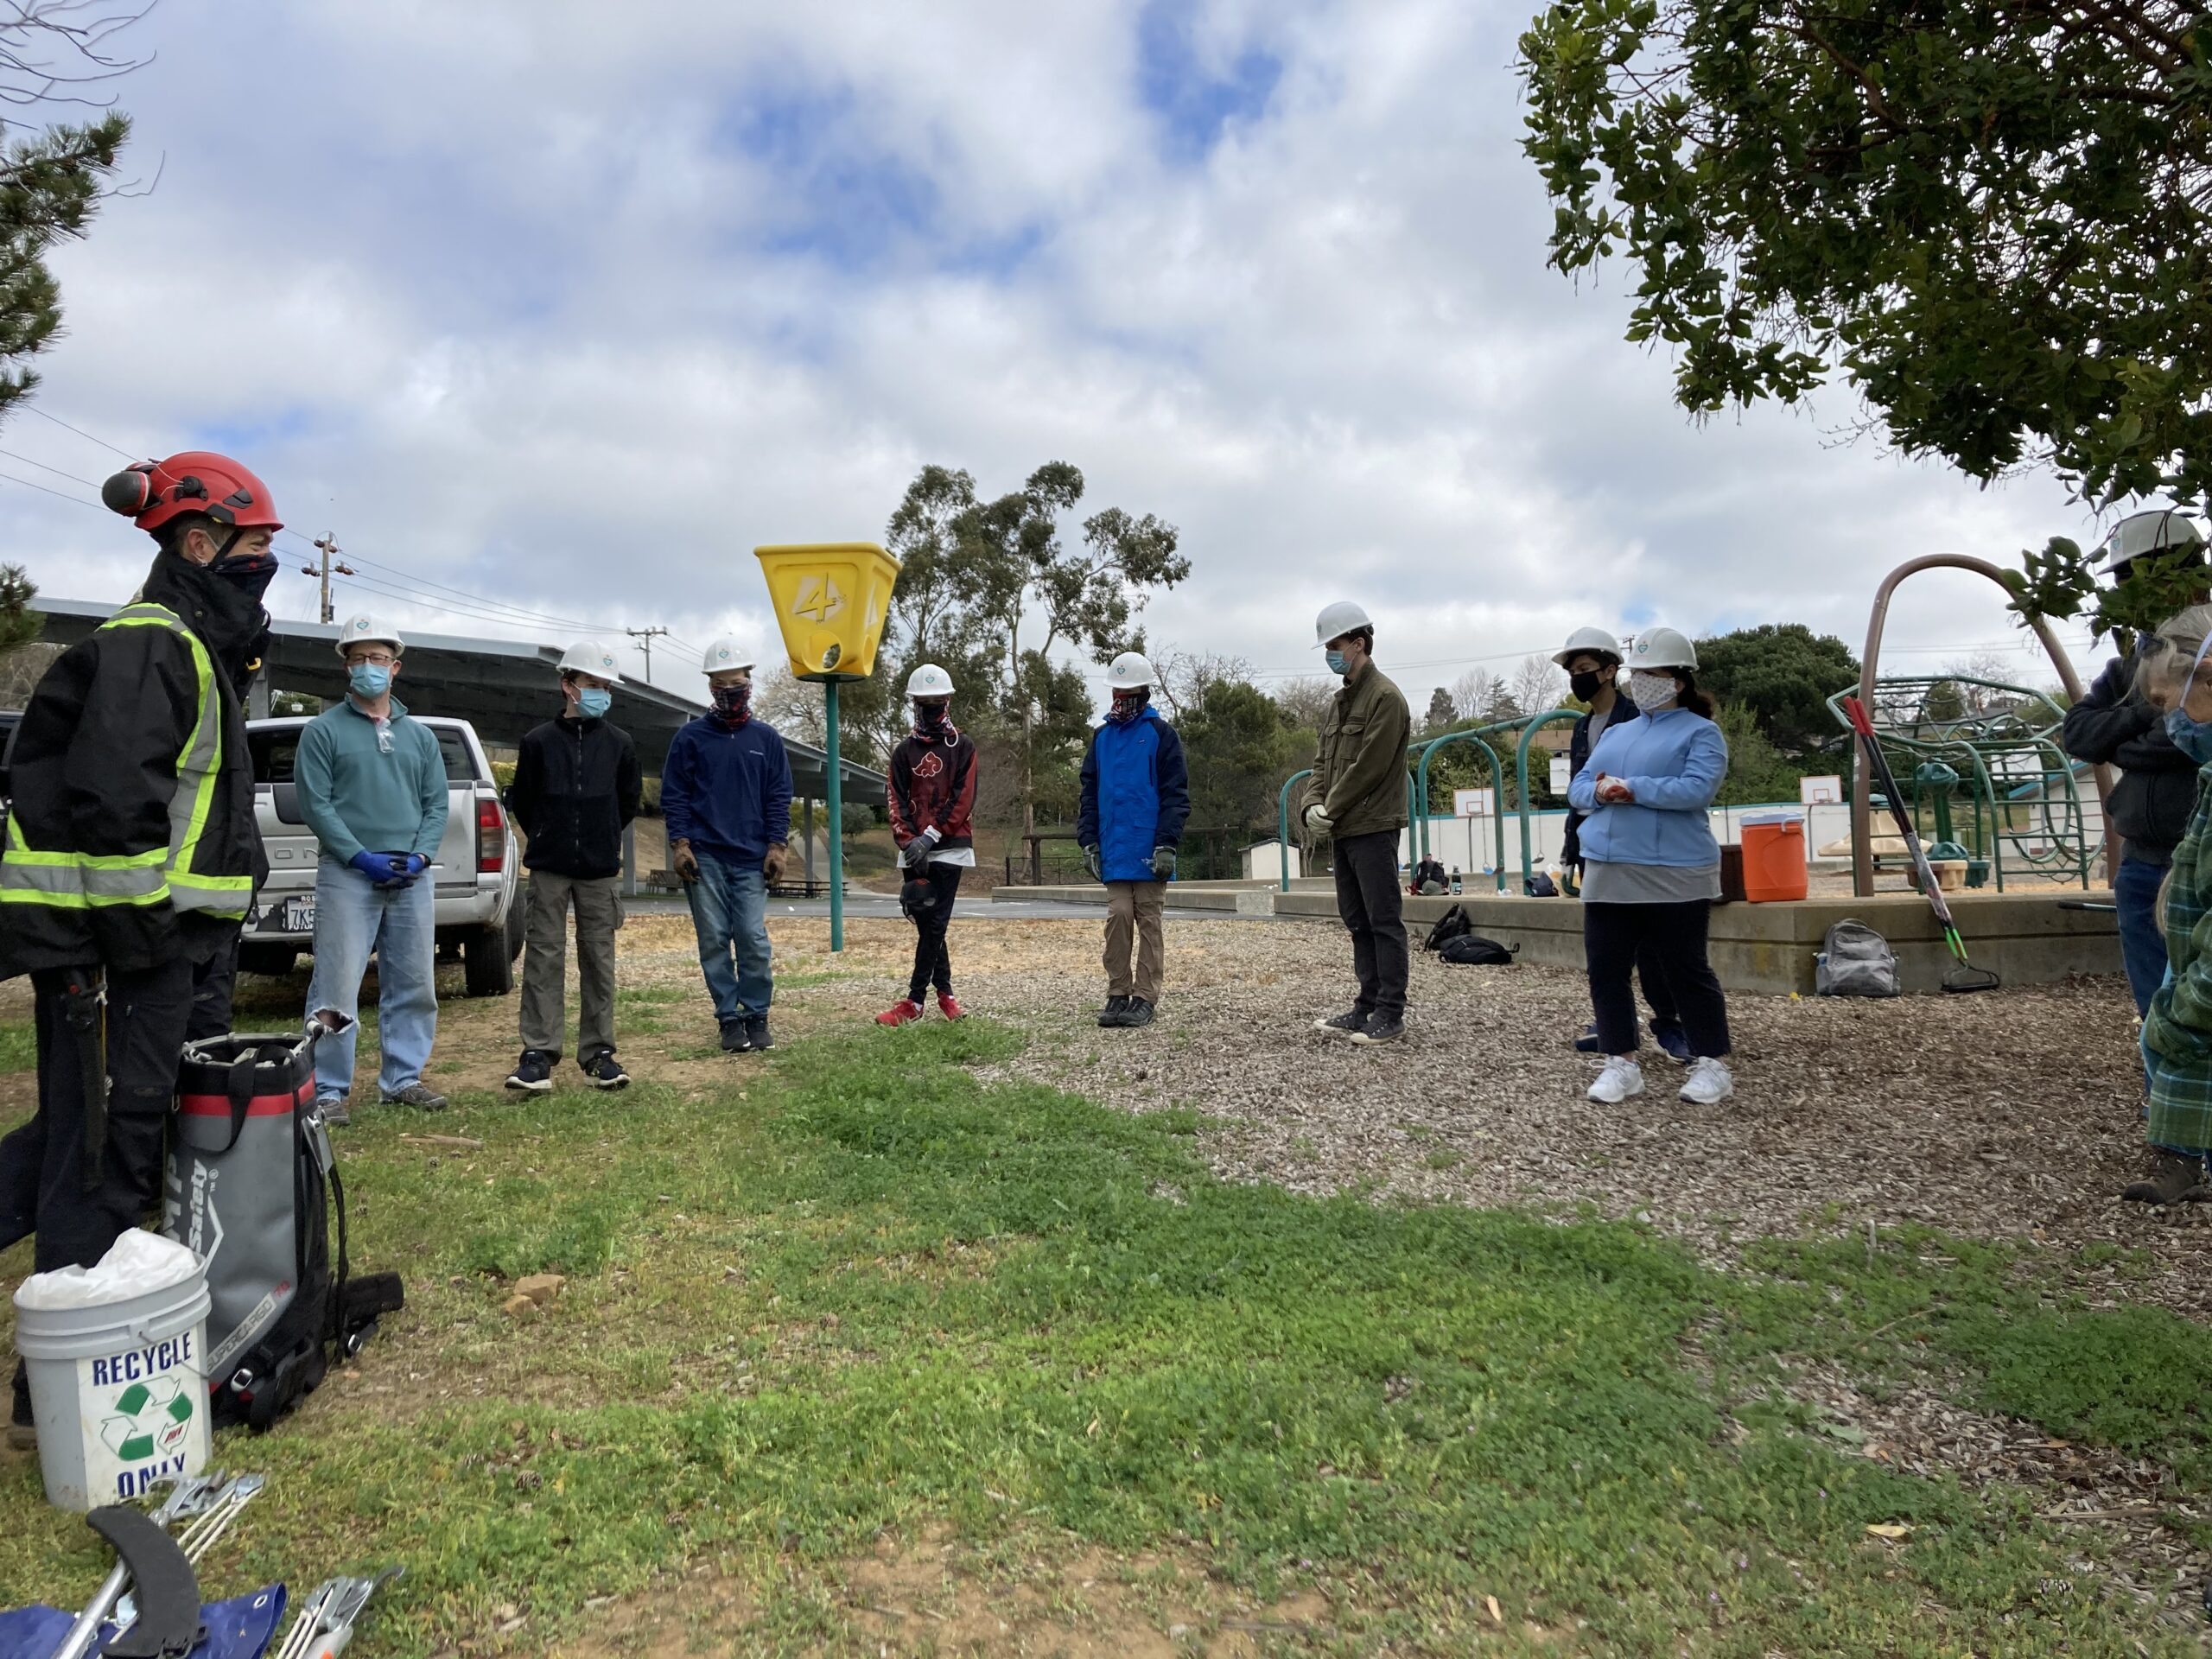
[929,719]
[733,703]
[1128,705]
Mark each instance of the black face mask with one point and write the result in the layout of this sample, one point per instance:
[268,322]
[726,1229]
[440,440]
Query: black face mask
[929,718]
[250,573]
[1584,685]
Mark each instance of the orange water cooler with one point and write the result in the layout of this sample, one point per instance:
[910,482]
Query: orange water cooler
[1774,857]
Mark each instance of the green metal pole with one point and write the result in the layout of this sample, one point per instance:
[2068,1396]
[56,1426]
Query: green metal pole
[837,804]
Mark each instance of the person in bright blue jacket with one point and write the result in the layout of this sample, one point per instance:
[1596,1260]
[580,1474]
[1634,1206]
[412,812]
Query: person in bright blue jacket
[1652,867]
[1136,794]
[726,793]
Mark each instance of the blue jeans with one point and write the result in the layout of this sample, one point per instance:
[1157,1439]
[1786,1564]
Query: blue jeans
[352,919]
[2135,892]
[729,913]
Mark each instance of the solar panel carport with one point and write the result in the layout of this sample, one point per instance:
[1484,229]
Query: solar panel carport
[502,687]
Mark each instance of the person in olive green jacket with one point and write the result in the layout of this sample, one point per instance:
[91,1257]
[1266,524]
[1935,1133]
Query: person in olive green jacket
[1356,800]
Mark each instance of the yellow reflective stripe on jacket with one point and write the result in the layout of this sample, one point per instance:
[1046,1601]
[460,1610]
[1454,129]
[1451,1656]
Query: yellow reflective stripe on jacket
[79,881]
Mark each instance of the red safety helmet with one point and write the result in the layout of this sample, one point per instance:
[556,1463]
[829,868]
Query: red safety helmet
[153,492]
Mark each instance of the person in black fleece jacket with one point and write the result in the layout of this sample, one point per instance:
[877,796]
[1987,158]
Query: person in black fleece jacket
[576,789]
[2113,725]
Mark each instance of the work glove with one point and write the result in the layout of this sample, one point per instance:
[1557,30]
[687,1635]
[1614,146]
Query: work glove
[1163,863]
[386,870]
[917,851]
[772,863]
[1090,862]
[1318,822]
[684,860]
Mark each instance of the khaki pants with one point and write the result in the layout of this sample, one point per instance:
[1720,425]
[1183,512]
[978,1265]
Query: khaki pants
[1134,907]
[545,962]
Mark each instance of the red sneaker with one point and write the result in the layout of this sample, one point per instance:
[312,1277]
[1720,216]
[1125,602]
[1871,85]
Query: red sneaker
[904,1011]
[950,1007]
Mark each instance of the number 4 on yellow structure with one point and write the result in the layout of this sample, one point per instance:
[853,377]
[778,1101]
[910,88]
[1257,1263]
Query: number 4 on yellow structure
[818,598]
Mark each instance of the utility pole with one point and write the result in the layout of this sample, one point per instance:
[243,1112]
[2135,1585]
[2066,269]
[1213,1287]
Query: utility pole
[327,546]
[647,635]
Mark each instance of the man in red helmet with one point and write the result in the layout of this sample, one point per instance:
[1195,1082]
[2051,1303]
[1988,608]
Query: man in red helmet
[132,859]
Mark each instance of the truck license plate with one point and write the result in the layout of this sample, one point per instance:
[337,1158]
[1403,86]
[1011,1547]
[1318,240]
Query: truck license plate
[290,916]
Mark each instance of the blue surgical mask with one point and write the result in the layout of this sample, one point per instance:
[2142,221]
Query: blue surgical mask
[2192,737]
[369,679]
[1335,660]
[593,702]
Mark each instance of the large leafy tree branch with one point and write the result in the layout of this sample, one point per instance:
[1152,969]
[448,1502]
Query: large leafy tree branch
[1990,214]
[53,54]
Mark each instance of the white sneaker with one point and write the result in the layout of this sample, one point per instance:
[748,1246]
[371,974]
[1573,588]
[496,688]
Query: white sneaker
[1709,1083]
[1621,1079]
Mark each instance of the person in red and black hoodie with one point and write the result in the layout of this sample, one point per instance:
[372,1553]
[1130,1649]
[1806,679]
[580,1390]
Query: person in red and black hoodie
[932,797]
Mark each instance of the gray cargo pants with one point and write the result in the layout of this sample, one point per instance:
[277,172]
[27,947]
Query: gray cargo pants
[545,962]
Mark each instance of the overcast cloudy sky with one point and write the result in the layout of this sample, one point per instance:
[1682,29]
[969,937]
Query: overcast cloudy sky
[568,306]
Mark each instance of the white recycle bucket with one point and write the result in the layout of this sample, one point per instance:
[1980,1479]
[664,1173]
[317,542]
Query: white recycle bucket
[117,1387]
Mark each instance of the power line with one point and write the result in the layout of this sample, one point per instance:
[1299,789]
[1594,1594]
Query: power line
[62,494]
[43,467]
[80,431]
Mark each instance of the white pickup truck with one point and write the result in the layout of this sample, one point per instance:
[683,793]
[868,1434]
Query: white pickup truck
[476,872]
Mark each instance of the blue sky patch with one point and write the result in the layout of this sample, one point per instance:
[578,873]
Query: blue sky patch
[1194,102]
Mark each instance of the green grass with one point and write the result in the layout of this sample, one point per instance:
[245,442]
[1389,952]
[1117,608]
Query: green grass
[18,1047]
[875,1295]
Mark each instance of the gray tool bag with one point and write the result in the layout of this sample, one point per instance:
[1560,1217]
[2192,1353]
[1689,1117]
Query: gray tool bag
[1855,961]
[251,1183]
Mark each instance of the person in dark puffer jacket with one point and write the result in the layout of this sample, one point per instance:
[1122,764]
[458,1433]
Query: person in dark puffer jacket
[576,789]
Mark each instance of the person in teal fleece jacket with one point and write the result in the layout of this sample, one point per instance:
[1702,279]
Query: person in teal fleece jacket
[372,788]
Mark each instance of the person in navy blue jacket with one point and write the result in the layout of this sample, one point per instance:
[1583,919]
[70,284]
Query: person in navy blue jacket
[726,792]
[1136,794]
[1653,868]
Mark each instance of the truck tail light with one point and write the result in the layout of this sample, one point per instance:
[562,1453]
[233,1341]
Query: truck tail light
[491,838]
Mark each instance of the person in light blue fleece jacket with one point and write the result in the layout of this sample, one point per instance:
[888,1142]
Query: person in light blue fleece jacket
[372,788]
[1652,869]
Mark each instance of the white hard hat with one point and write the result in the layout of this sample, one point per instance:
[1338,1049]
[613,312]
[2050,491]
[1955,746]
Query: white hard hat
[1337,620]
[929,680]
[2159,531]
[1662,648]
[362,629]
[1129,671]
[725,654]
[591,656]
[1589,642]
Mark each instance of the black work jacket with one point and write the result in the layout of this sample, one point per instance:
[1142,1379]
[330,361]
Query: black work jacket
[132,832]
[577,788]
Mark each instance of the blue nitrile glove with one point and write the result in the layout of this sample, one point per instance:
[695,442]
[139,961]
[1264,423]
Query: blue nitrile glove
[383,868]
[415,864]
[1163,863]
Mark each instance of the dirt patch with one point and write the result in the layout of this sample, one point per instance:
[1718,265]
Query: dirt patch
[936,1597]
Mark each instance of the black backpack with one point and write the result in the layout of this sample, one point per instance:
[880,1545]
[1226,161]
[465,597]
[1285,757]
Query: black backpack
[1473,949]
[251,1184]
[1453,924]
